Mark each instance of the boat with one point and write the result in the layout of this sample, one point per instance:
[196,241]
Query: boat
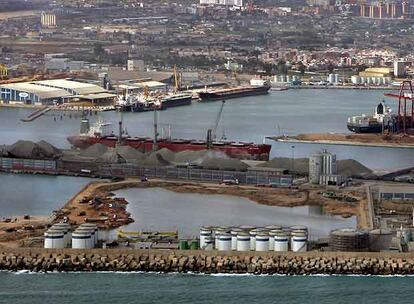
[227,93]
[102,133]
[175,100]
[138,102]
[382,120]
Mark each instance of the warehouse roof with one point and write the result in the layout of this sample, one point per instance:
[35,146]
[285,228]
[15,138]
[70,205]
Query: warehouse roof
[96,96]
[41,91]
[76,86]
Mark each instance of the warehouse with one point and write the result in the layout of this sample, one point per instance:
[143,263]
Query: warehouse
[28,93]
[53,91]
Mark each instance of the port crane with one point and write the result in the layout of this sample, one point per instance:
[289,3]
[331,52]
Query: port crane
[211,133]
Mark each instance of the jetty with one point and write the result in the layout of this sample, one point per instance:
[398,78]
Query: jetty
[36,114]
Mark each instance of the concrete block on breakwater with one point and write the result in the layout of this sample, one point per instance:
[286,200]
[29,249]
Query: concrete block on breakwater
[39,260]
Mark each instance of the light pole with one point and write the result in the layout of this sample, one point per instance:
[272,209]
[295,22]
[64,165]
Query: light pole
[293,158]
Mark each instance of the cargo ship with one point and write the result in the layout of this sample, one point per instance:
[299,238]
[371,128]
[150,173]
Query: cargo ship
[142,102]
[382,120]
[102,133]
[242,91]
[175,100]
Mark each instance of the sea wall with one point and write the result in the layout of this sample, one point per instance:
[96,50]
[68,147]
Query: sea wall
[39,260]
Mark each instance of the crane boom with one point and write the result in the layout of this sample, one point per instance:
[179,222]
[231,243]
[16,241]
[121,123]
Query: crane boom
[218,119]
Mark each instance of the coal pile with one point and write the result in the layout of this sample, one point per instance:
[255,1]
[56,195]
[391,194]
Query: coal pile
[95,150]
[129,153]
[111,156]
[31,150]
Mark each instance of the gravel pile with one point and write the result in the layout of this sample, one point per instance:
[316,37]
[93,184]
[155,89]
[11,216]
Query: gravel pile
[346,167]
[32,150]
[111,156]
[95,150]
[215,163]
[129,153]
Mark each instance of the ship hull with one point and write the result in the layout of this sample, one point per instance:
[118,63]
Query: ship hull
[214,96]
[248,151]
[177,102]
[377,128]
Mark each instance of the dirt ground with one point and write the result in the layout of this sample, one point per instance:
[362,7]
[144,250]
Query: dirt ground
[19,228]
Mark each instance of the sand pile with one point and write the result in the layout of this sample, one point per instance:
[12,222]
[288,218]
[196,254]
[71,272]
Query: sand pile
[197,156]
[215,163]
[129,153]
[346,167]
[111,156]
[32,150]
[95,150]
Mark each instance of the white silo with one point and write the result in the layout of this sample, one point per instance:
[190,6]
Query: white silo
[336,78]
[363,80]
[81,239]
[272,234]
[299,242]
[208,243]
[262,241]
[281,241]
[287,78]
[331,78]
[247,227]
[217,232]
[66,233]
[234,232]
[224,242]
[328,163]
[92,233]
[95,230]
[243,241]
[298,228]
[315,168]
[54,239]
[355,79]
[205,232]
[369,80]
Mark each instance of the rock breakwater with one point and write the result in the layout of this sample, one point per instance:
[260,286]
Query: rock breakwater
[38,260]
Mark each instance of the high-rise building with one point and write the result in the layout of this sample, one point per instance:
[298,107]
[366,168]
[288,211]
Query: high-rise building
[399,68]
[48,20]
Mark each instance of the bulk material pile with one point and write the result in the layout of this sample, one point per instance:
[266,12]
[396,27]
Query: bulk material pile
[250,238]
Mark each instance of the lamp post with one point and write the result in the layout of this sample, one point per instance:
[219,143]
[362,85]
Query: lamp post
[293,158]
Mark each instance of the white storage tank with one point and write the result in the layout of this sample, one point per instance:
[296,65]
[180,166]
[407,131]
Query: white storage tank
[217,232]
[253,234]
[243,241]
[94,228]
[247,227]
[262,241]
[92,234]
[224,242]
[205,232]
[234,232]
[208,243]
[299,228]
[66,233]
[356,79]
[281,241]
[299,242]
[54,239]
[272,234]
[81,239]
[363,80]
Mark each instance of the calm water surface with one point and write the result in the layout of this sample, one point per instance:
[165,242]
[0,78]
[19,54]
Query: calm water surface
[103,288]
[36,194]
[160,209]
[248,119]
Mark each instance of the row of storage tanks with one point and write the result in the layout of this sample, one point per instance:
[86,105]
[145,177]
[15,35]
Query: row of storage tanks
[250,238]
[356,79]
[285,78]
[60,235]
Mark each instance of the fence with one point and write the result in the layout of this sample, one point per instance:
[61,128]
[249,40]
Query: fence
[19,164]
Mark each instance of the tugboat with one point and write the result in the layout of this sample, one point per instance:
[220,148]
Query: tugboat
[380,121]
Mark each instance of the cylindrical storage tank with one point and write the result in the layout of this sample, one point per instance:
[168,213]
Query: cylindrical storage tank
[217,232]
[95,229]
[380,239]
[81,239]
[355,79]
[336,78]
[252,234]
[348,240]
[205,232]
[65,231]
[91,233]
[363,80]
[247,227]
[272,234]
[299,242]
[273,227]
[281,241]
[262,241]
[54,239]
[208,243]
[68,232]
[287,78]
[234,232]
[243,241]
[195,245]
[184,245]
[224,242]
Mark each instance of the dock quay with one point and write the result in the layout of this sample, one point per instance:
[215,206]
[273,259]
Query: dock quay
[36,114]
[197,261]
[363,140]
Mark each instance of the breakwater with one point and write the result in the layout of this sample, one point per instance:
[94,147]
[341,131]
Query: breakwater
[40,260]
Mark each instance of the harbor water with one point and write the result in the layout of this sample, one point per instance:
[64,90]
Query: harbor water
[36,194]
[160,209]
[102,288]
[245,119]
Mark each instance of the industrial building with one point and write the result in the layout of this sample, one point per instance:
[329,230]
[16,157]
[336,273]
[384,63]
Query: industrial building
[323,169]
[53,92]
